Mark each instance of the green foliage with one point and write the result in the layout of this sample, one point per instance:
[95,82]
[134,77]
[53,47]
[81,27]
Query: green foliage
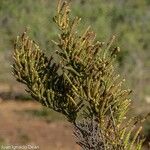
[147,129]
[15,16]
[129,20]
[84,84]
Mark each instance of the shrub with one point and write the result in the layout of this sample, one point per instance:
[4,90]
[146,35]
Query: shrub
[83,85]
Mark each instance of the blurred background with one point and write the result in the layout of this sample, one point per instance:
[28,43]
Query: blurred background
[129,20]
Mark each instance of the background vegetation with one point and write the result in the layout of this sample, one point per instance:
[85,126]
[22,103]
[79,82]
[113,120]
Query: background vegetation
[129,20]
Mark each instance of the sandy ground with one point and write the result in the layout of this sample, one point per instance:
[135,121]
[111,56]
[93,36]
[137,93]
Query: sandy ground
[18,129]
